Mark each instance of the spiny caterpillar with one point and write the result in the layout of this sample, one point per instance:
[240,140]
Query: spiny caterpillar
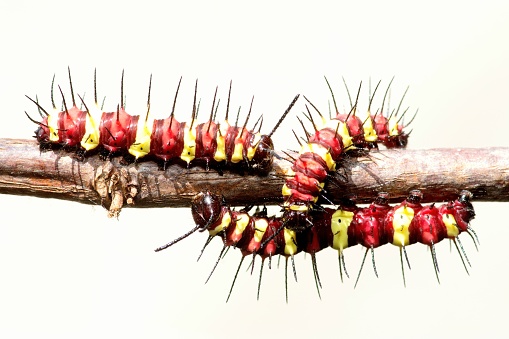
[373,226]
[165,140]
[331,139]
[369,130]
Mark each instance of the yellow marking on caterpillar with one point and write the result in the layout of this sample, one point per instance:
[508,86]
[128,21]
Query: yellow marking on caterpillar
[220,154]
[242,220]
[238,153]
[369,130]
[92,136]
[53,126]
[188,152]
[340,222]
[451,225]
[260,228]
[393,127]
[254,145]
[342,131]
[299,208]
[402,218]
[321,151]
[290,173]
[286,191]
[290,242]
[141,145]
[225,222]
[320,185]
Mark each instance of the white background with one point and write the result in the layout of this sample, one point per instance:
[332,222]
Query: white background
[66,271]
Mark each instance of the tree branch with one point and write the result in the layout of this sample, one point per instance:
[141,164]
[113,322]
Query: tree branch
[439,173]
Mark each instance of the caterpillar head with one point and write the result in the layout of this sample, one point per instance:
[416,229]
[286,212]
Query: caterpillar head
[42,133]
[264,155]
[397,141]
[206,209]
[463,210]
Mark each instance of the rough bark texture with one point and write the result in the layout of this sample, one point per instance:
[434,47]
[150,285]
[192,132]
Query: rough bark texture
[439,173]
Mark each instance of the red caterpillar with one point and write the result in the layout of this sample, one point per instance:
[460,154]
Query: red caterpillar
[327,145]
[373,226]
[367,131]
[165,139]
[409,223]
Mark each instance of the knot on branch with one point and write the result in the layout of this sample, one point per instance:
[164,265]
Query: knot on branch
[116,186]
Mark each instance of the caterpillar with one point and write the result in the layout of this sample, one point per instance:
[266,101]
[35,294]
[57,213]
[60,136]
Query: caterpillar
[164,140]
[323,149]
[409,223]
[348,225]
[387,129]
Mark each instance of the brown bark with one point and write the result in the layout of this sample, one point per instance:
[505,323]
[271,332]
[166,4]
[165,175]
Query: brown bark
[439,173]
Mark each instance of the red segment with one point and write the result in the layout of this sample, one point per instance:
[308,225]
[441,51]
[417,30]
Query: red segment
[72,126]
[167,139]
[276,244]
[235,136]
[239,240]
[329,139]
[367,227]
[311,165]
[206,141]
[381,126]
[318,236]
[427,227]
[303,188]
[355,128]
[118,130]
